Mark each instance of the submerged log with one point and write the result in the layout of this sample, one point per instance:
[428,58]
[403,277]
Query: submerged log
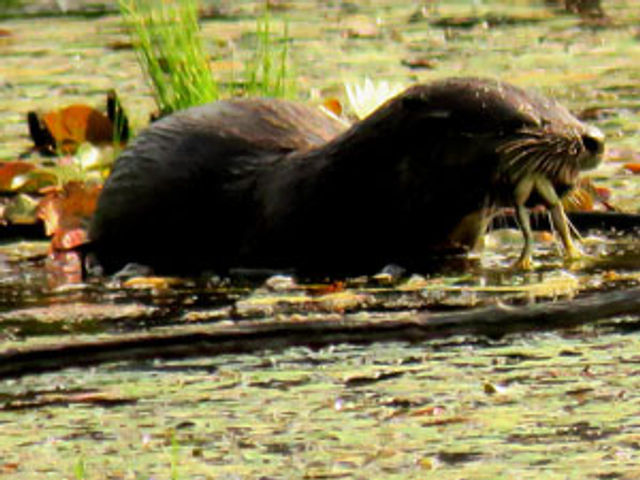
[582,221]
[256,336]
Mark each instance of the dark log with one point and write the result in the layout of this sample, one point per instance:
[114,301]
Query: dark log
[22,231]
[626,222]
[257,336]
[582,221]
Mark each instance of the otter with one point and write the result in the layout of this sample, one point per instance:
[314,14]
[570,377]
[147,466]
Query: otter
[273,184]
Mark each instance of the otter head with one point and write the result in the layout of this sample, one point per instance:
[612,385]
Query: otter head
[524,133]
[550,143]
[509,147]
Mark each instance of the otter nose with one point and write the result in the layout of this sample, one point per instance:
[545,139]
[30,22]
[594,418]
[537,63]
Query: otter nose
[593,140]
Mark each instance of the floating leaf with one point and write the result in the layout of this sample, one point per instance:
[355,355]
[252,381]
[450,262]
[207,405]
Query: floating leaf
[333,105]
[579,199]
[9,467]
[66,210]
[544,237]
[76,124]
[65,129]
[632,167]
[419,63]
[34,181]
[71,238]
[10,170]
[360,381]
[430,411]
[6,37]
[324,289]
[585,196]
[22,209]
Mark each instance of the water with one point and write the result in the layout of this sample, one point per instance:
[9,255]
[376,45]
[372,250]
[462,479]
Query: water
[556,404]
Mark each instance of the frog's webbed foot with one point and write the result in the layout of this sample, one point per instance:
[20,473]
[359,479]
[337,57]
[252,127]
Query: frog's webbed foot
[521,194]
[559,220]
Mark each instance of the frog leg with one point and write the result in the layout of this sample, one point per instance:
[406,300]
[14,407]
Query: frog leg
[558,216]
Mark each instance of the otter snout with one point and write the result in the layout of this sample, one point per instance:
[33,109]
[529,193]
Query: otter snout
[593,142]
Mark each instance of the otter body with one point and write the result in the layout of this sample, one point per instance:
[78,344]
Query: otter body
[276,185]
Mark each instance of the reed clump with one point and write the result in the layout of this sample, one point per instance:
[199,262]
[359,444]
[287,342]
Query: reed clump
[167,41]
[166,37]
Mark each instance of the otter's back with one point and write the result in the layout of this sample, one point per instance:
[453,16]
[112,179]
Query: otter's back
[187,170]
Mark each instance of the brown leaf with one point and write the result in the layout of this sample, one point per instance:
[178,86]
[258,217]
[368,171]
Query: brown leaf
[76,124]
[632,167]
[544,237]
[430,411]
[595,113]
[102,399]
[33,181]
[419,63]
[333,105]
[368,380]
[578,200]
[325,289]
[66,213]
[65,129]
[71,238]
[6,36]
[585,196]
[9,467]
[120,45]
[10,170]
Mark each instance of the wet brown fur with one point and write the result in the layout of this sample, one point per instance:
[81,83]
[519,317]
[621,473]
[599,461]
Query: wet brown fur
[275,184]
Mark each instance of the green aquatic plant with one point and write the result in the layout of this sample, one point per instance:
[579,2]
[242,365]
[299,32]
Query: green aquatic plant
[7,4]
[267,71]
[166,36]
[80,469]
[167,40]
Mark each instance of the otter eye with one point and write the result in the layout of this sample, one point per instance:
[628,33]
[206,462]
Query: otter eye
[593,144]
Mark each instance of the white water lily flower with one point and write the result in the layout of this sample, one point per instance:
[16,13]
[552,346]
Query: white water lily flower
[364,97]
[88,156]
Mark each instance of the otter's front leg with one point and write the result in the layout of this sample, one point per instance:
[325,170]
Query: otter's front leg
[558,217]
